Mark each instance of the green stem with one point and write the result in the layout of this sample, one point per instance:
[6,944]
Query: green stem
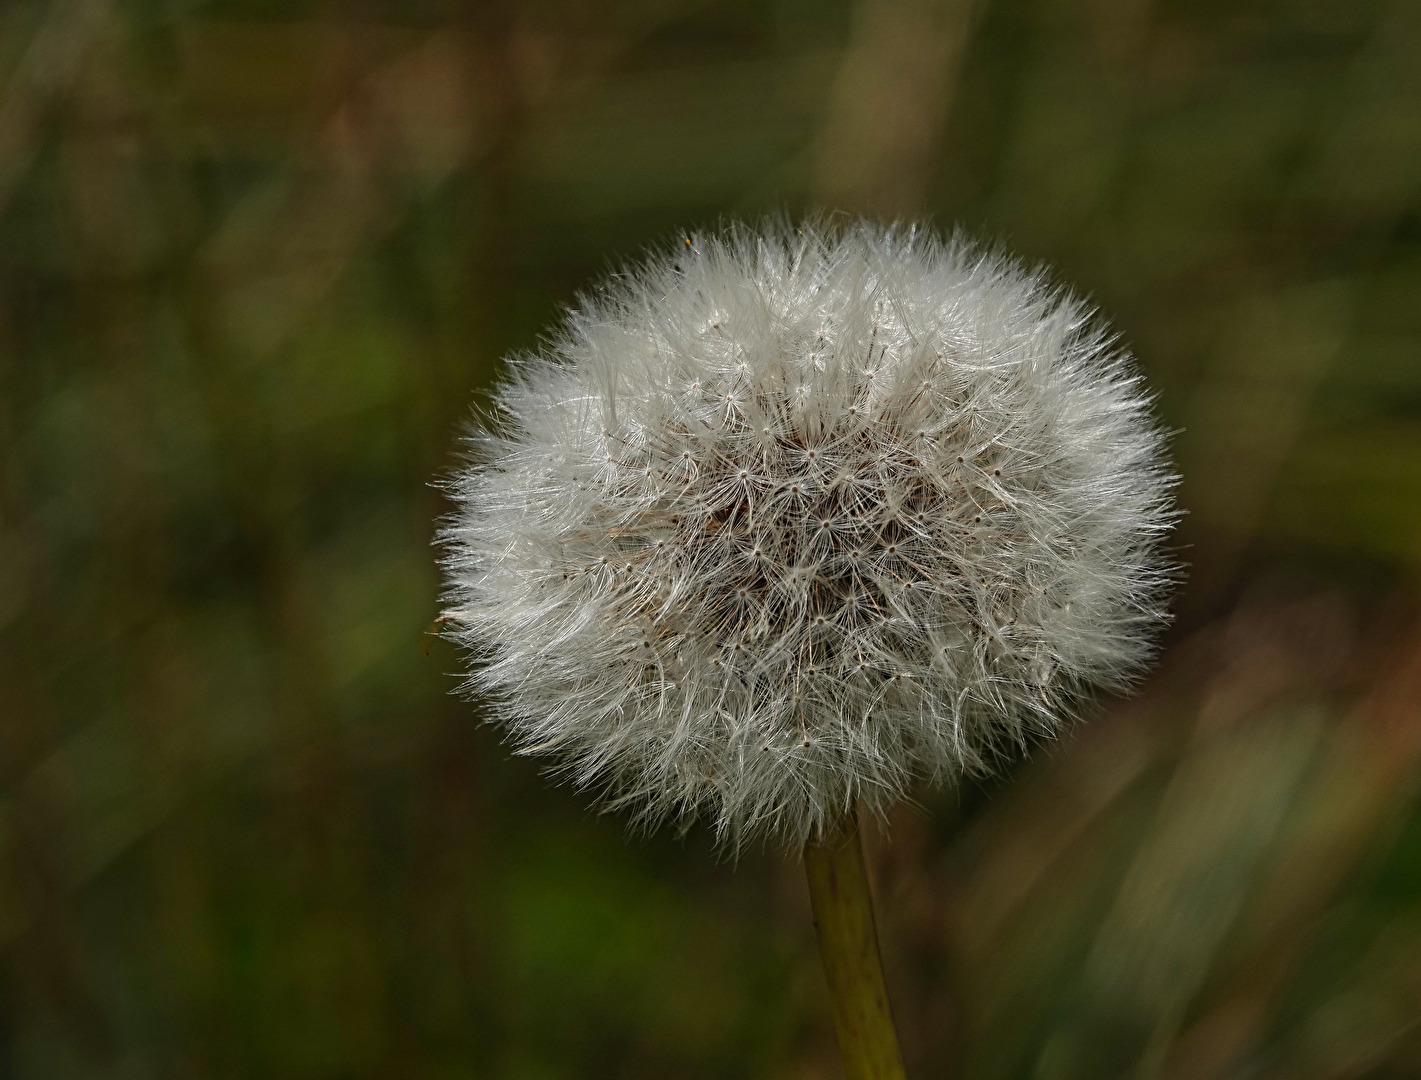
[848,943]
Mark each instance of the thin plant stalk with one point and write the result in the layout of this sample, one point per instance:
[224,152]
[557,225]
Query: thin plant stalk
[848,944]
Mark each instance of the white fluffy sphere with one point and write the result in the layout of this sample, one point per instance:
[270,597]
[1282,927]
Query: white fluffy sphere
[792,517]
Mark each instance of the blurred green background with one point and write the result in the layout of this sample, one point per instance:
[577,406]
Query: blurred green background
[259,258]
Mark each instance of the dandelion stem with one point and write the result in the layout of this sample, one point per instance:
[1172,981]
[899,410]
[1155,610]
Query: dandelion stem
[848,944]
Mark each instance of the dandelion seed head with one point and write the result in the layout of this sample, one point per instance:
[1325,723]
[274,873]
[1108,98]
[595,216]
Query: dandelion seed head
[909,514]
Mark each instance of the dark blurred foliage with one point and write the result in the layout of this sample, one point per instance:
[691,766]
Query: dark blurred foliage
[257,261]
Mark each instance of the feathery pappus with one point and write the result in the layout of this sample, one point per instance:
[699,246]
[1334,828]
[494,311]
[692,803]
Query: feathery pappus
[789,517]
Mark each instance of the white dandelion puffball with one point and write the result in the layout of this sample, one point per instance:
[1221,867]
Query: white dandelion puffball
[786,518]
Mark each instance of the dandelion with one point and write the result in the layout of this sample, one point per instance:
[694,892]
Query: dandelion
[785,521]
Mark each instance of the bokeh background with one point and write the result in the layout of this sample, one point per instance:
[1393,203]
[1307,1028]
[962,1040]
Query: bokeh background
[258,258]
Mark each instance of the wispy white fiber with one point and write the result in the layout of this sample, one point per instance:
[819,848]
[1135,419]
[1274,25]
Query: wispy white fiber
[786,518]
